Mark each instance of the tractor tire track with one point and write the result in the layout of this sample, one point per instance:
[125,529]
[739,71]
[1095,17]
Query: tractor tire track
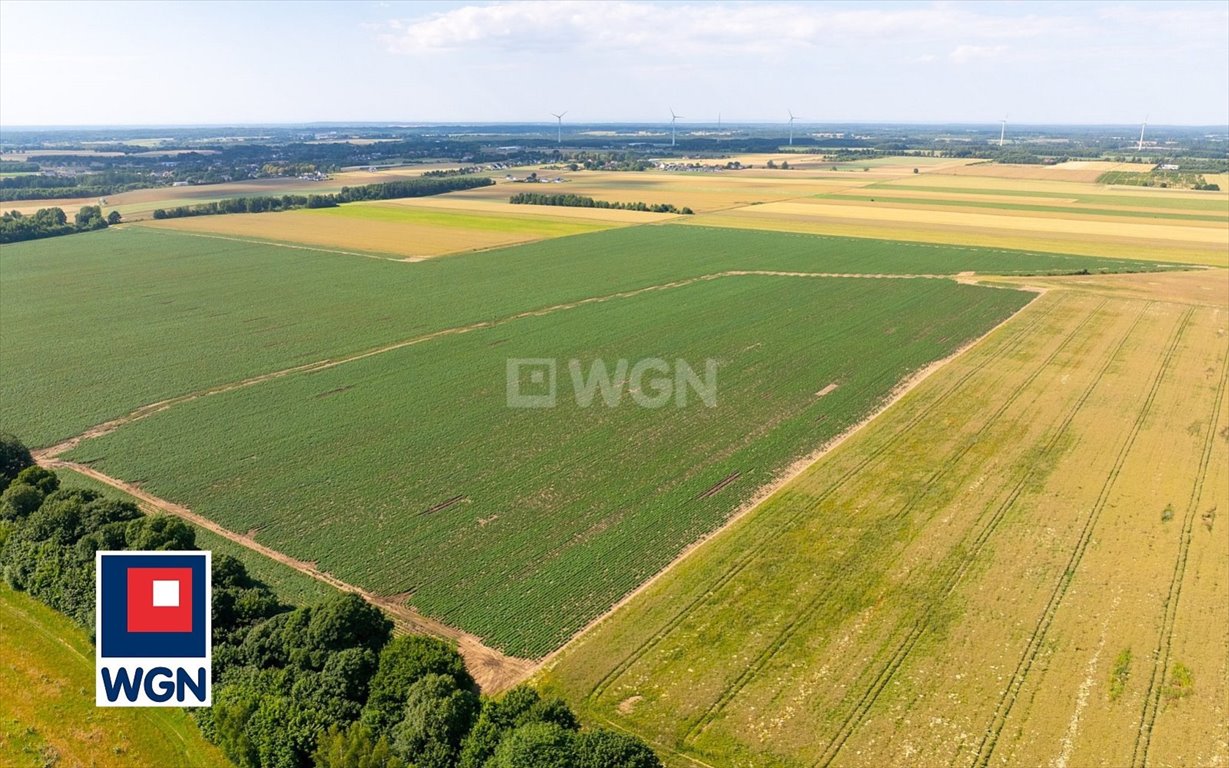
[1021,333]
[1160,656]
[972,550]
[805,613]
[1012,691]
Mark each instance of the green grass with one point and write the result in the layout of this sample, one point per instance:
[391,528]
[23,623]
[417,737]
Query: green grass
[1120,674]
[47,712]
[537,226]
[868,196]
[289,585]
[562,510]
[1181,682]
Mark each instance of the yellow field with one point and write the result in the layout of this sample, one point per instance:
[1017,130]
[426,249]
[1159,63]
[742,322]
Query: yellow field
[961,234]
[818,166]
[501,207]
[1075,170]
[1023,562]
[698,191]
[47,712]
[1054,216]
[403,229]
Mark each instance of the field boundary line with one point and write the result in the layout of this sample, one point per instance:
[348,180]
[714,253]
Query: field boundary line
[765,492]
[804,614]
[1161,654]
[1008,698]
[492,669]
[150,409]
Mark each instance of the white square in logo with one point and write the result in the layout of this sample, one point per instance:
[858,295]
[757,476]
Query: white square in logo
[166,594]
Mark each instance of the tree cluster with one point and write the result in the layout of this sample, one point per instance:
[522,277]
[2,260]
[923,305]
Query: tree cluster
[49,222]
[581,201]
[324,685]
[418,187]
[443,172]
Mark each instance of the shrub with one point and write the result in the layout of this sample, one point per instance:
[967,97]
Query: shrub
[438,714]
[14,457]
[403,662]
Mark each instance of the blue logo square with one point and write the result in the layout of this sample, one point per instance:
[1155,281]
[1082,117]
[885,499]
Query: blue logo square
[116,640]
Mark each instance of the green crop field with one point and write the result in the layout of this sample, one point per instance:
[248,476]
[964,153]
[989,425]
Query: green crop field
[375,467]
[96,325]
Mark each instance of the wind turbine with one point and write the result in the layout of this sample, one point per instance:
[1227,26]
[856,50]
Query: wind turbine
[791,126]
[1003,131]
[673,119]
[1140,147]
[559,117]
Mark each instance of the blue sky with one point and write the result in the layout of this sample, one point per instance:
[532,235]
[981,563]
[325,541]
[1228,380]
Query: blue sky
[245,62]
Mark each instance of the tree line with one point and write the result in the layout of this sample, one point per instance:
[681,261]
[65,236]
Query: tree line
[323,686]
[581,201]
[417,187]
[50,222]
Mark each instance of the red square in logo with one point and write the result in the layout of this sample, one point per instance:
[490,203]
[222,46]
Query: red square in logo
[159,599]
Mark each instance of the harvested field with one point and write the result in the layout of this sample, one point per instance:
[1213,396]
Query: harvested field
[979,560]
[549,212]
[1074,170]
[698,191]
[1059,217]
[409,232]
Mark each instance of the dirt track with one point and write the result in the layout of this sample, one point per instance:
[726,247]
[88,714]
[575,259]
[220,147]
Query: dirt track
[492,670]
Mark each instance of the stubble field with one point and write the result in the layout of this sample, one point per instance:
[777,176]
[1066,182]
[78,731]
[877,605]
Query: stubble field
[1019,564]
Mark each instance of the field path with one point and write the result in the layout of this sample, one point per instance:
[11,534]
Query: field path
[494,671]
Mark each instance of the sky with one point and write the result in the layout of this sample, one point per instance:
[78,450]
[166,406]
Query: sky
[188,63]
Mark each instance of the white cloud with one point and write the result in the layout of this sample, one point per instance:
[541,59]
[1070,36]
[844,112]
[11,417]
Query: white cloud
[963,54]
[686,29]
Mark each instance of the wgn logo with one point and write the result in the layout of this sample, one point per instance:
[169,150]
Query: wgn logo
[153,629]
